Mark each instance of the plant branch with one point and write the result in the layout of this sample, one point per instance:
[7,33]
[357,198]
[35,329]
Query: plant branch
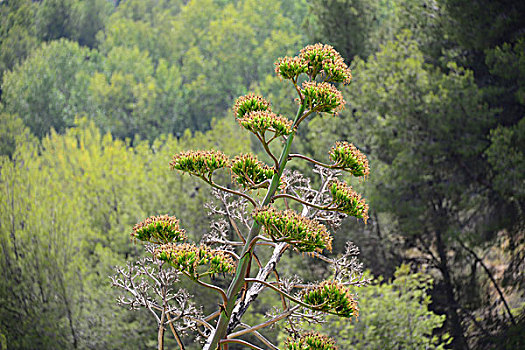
[491,277]
[215,288]
[175,334]
[283,293]
[238,341]
[264,324]
[297,199]
[261,338]
[267,149]
[311,160]
[237,193]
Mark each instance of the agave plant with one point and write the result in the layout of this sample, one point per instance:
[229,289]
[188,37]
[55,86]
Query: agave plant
[260,212]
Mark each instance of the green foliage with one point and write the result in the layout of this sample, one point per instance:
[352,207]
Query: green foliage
[18,36]
[394,315]
[12,132]
[49,89]
[346,24]
[242,38]
[64,206]
[56,19]
[505,155]
[425,125]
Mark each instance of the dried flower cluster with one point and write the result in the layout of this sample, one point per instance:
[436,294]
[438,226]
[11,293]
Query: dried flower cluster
[322,97]
[332,297]
[158,230]
[287,226]
[249,172]
[311,341]
[250,103]
[259,122]
[199,163]
[348,201]
[347,157]
[188,257]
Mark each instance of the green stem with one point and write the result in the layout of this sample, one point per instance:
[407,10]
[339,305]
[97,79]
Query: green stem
[239,278]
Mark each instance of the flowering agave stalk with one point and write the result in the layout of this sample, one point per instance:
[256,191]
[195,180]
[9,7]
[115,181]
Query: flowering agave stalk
[259,212]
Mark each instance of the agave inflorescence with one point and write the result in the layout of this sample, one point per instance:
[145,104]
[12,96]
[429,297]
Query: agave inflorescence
[311,341]
[188,257]
[259,122]
[250,103]
[332,297]
[348,201]
[314,60]
[348,158]
[326,60]
[249,172]
[290,67]
[158,230]
[199,163]
[322,97]
[302,233]
[231,245]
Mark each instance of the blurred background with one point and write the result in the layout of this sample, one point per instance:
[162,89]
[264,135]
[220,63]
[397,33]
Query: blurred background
[97,95]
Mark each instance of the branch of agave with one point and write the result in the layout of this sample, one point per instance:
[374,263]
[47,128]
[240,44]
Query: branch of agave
[246,254]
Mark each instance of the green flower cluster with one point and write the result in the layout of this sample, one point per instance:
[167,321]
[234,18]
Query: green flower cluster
[159,230]
[259,122]
[322,97]
[326,60]
[188,257]
[250,103]
[313,60]
[348,201]
[199,163]
[302,233]
[311,341]
[249,172]
[347,157]
[290,67]
[332,297]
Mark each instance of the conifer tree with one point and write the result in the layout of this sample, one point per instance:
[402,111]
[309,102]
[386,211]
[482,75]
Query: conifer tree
[265,207]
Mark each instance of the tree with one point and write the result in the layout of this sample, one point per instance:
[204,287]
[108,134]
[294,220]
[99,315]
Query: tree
[235,242]
[65,201]
[18,35]
[427,132]
[217,50]
[331,21]
[49,89]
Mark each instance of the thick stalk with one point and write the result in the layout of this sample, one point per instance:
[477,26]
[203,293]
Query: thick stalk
[238,281]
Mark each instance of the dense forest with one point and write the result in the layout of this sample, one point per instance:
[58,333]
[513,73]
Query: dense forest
[97,95]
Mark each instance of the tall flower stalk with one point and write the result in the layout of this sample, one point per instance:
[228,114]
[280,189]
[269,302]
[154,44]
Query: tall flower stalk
[259,223]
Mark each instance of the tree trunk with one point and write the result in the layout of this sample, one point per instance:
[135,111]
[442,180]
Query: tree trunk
[456,329]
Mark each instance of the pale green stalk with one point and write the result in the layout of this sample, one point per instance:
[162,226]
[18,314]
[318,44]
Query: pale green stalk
[246,254]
